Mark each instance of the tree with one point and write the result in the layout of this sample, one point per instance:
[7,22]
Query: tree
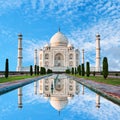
[75,71]
[35,69]
[105,67]
[87,69]
[67,71]
[83,70]
[93,73]
[79,69]
[49,71]
[6,68]
[43,70]
[31,70]
[72,70]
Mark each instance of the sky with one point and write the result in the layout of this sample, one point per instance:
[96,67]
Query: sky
[79,20]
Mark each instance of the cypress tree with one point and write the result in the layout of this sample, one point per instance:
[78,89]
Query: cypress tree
[41,70]
[83,70]
[79,69]
[44,71]
[6,68]
[35,69]
[31,70]
[75,71]
[105,67]
[72,70]
[87,69]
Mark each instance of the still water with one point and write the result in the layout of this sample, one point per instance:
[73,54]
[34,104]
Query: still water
[56,99]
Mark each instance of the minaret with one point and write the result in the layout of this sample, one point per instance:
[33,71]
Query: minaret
[97,101]
[97,53]
[82,56]
[19,62]
[20,97]
[35,57]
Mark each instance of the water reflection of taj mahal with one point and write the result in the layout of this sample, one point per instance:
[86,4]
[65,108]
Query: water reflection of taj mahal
[58,91]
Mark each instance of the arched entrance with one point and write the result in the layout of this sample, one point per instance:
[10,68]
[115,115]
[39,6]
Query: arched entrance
[59,60]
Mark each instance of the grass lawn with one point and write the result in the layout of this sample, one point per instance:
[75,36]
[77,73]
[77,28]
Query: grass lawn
[111,81]
[14,78]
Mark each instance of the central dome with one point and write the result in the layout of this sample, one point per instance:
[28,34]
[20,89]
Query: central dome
[58,39]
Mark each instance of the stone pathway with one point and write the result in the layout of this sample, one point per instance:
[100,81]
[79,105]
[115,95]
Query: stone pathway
[109,91]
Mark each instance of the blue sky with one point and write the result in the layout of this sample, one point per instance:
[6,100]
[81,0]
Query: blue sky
[79,20]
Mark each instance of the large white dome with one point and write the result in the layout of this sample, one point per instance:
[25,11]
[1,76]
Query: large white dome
[58,39]
[58,102]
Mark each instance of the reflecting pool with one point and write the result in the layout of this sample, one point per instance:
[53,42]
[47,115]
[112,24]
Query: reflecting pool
[56,98]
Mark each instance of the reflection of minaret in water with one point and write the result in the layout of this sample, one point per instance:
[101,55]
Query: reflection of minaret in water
[97,101]
[20,97]
[35,88]
[83,89]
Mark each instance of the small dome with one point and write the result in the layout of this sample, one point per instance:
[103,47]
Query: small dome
[46,45]
[70,45]
[58,102]
[58,39]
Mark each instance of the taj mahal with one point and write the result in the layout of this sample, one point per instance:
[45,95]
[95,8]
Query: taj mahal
[58,55]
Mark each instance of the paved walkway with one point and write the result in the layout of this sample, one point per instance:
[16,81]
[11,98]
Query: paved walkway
[108,91]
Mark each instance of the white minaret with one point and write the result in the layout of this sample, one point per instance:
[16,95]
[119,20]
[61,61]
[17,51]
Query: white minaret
[82,56]
[97,53]
[35,57]
[19,62]
[20,97]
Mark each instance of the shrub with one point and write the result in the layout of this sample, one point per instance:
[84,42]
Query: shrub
[49,71]
[68,71]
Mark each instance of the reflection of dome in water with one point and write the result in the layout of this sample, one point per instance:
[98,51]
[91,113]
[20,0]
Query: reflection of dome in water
[59,39]
[58,102]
